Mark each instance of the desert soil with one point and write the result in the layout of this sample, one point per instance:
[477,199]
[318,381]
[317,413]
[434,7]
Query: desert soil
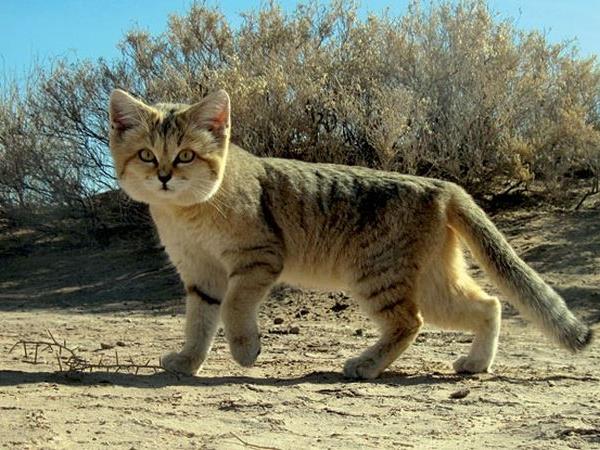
[123,299]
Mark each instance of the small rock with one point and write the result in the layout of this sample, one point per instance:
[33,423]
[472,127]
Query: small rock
[339,307]
[105,346]
[278,331]
[121,344]
[358,332]
[461,393]
[278,320]
[295,330]
[302,312]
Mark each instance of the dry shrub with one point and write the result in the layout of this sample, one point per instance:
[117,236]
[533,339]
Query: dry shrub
[447,90]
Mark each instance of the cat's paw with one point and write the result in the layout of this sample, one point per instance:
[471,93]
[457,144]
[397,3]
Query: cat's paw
[179,363]
[245,349]
[362,368]
[464,364]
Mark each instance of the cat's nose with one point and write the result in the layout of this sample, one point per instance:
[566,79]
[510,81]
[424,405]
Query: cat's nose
[164,178]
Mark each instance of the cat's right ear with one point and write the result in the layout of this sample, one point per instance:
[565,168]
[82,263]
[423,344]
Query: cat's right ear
[213,114]
[126,111]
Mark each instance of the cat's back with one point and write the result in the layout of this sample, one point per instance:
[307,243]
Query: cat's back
[333,183]
[328,211]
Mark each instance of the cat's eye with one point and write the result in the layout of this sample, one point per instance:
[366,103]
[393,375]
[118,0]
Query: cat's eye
[185,156]
[146,155]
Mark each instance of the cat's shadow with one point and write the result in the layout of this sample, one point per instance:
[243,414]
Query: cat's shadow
[164,379]
[336,380]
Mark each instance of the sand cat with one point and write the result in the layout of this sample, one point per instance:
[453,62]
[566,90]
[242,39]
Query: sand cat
[235,224]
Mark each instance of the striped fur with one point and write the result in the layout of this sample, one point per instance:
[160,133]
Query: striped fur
[234,225]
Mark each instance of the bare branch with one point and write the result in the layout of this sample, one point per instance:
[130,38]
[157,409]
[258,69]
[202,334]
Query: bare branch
[75,363]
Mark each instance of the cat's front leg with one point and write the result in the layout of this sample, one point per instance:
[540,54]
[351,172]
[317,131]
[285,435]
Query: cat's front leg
[247,287]
[201,323]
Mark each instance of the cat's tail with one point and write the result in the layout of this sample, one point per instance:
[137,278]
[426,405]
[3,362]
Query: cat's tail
[520,283]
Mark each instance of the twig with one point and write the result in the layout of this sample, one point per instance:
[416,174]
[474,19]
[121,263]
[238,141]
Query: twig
[511,187]
[76,363]
[592,191]
[252,445]
[59,362]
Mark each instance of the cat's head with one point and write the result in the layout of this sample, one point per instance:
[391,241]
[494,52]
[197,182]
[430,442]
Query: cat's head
[167,153]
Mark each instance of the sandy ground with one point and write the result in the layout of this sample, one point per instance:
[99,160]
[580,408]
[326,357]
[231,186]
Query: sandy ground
[538,397]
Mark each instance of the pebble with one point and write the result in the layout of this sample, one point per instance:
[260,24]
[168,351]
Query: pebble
[461,393]
[339,307]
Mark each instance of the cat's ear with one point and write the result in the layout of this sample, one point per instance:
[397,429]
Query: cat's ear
[212,113]
[126,111]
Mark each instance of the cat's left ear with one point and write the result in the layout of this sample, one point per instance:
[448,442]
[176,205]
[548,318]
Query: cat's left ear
[213,113]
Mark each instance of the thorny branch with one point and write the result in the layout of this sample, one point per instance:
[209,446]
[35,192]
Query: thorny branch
[69,361]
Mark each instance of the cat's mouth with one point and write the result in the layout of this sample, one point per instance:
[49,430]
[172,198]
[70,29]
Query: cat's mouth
[165,190]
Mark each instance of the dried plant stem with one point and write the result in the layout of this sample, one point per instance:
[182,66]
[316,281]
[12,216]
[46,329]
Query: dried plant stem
[593,191]
[248,444]
[75,363]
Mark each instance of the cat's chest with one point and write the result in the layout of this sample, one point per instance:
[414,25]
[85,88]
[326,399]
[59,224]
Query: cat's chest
[195,258]
[187,242]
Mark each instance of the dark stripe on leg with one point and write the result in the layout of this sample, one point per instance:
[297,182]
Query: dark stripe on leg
[203,295]
[374,272]
[389,306]
[255,265]
[393,286]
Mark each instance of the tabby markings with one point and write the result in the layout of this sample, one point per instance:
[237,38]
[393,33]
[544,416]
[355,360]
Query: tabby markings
[203,295]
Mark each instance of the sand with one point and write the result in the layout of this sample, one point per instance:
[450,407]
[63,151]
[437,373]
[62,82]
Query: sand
[123,299]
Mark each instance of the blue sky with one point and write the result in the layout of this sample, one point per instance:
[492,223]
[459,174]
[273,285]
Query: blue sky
[38,30]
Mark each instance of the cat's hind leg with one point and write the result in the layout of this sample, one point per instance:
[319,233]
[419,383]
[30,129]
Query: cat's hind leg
[483,313]
[451,299]
[201,324]
[390,304]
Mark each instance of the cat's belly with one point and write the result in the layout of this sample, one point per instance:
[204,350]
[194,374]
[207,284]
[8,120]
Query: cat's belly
[306,278]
